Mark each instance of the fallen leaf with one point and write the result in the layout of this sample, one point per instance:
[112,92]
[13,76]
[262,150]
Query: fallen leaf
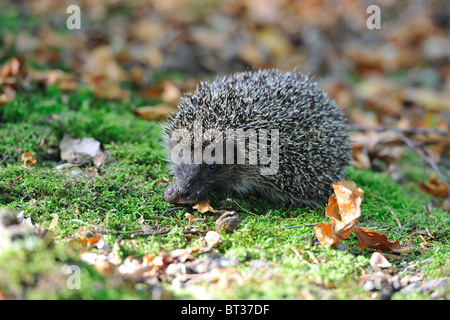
[343,210]
[8,95]
[105,88]
[182,255]
[446,205]
[92,172]
[376,145]
[372,239]
[156,113]
[360,157]
[102,62]
[435,187]
[28,159]
[325,234]
[99,158]
[10,69]
[63,80]
[147,259]
[170,92]
[203,206]
[348,199]
[93,240]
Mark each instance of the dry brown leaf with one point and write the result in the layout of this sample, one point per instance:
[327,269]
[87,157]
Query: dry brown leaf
[92,172]
[379,145]
[446,205]
[343,210]
[93,240]
[251,53]
[361,159]
[338,91]
[9,70]
[156,113]
[105,88]
[435,187]
[348,198]
[204,206]
[180,255]
[372,239]
[28,159]
[8,95]
[428,98]
[170,92]
[325,234]
[63,80]
[101,62]
[54,223]
[99,158]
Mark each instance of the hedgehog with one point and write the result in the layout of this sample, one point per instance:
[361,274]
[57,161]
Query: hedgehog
[261,133]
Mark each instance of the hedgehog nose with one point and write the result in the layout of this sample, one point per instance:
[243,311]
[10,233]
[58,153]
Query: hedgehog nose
[183,192]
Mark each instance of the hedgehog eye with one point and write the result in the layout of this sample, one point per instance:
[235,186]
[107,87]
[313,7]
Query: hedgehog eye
[212,167]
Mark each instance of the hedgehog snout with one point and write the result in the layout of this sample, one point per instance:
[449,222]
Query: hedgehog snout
[183,192]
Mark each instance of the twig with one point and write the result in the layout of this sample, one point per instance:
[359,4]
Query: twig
[359,127]
[197,233]
[299,256]
[256,215]
[171,209]
[432,164]
[313,257]
[151,233]
[145,131]
[426,155]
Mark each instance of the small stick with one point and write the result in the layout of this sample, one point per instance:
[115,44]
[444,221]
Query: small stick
[411,144]
[358,127]
[145,131]
[171,209]
[151,233]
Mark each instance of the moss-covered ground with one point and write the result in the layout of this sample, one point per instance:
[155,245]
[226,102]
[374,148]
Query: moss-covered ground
[275,263]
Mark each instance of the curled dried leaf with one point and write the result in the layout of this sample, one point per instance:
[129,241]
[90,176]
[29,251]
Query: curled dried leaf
[28,159]
[204,206]
[371,239]
[325,234]
[435,187]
